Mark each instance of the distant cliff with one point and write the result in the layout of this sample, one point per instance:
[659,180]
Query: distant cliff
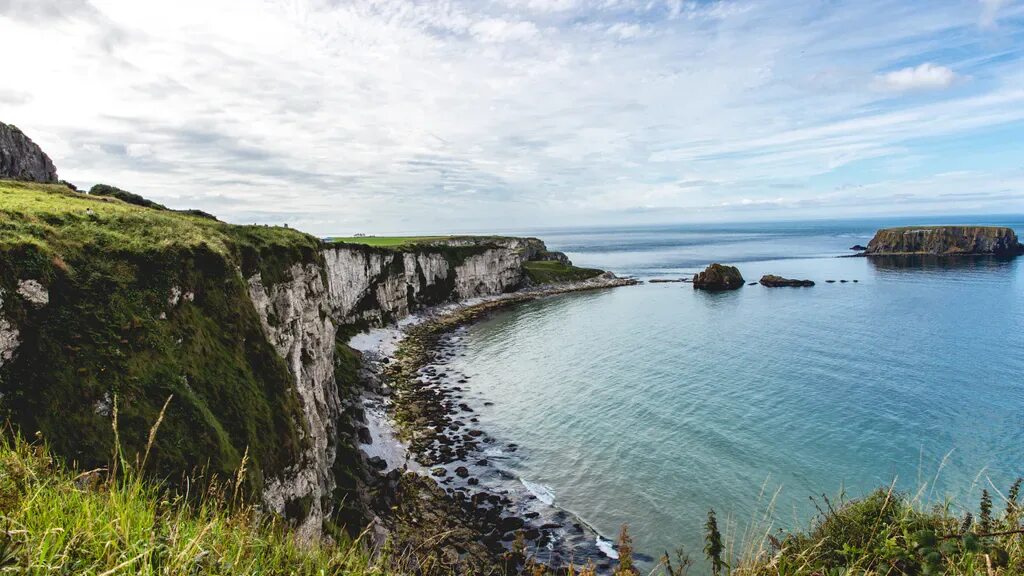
[22,159]
[945,241]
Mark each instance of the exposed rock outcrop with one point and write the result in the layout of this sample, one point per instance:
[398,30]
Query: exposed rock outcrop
[718,277]
[945,241]
[9,335]
[773,281]
[22,159]
[294,315]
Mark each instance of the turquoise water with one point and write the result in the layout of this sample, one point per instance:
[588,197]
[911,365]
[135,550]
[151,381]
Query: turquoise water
[650,404]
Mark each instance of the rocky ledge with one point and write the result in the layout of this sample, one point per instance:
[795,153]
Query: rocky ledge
[773,281]
[22,159]
[945,241]
[718,277]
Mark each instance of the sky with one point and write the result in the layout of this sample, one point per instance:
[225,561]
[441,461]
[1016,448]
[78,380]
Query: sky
[400,116]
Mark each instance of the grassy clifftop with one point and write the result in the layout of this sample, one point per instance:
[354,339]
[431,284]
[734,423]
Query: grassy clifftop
[143,304]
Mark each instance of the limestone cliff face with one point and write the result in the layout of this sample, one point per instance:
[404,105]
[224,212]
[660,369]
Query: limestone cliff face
[355,284]
[944,241]
[22,159]
[375,285]
[294,315]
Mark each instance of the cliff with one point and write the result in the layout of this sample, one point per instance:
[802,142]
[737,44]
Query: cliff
[104,302]
[22,159]
[945,241]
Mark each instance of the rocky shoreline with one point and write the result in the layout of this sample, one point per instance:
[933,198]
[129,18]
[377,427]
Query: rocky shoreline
[448,477]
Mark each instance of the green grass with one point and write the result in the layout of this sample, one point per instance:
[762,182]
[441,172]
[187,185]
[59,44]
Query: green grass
[551,272]
[59,520]
[109,330]
[887,533]
[389,241]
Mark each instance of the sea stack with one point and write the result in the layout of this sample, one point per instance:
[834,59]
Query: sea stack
[945,241]
[718,277]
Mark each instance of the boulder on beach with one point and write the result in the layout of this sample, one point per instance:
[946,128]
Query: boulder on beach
[718,277]
[773,281]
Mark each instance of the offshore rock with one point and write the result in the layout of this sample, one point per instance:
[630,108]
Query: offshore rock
[773,281]
[945,241]
[23,159]
[718,277]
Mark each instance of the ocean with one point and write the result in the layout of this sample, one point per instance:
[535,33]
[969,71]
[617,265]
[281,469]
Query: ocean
[648,405]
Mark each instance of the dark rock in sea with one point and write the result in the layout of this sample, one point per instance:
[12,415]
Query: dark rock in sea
[830,281]
[665,280]
[751,283]
[531,533]
[945,241]
[364,435]
[511,523]
[473,481]
[483,462]
[462,472]
[23,159]
[438,472]
[858,247]
[377,462]
[718,277]
[488,403]
[773,281]
[842,281]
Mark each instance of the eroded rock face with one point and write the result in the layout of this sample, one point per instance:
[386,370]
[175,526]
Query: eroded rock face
[718,277]
[773,281]
[295,318]
[378,286]
[945,241]
[22,159]
[9,335]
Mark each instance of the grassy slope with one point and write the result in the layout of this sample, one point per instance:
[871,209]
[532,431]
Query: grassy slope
[109,331]
[57,521]
[550,272]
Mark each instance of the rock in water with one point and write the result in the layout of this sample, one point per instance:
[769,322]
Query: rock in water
[773,281]
[858,247]
[945,241]
[718,277]
[22,159]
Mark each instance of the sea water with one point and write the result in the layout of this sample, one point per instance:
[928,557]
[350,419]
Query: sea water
[649,405]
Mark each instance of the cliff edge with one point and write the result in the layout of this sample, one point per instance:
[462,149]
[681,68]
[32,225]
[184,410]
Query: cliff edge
[945,241]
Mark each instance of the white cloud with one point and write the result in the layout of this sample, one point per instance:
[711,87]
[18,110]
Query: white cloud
[925,76]
[401,115]
[990,11]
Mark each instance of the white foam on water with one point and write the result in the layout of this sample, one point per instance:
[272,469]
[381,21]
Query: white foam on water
[542,492]
[493,452]
[607,548]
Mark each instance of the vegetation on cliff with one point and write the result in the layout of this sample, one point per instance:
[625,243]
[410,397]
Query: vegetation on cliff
[554,272]
[144,304]
[945,241]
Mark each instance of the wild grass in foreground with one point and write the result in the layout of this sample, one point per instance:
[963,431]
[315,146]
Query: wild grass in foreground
[106,522]
[57,520]
[884,533]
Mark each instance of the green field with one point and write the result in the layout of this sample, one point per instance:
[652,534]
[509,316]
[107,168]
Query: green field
[550,272]
[387,241]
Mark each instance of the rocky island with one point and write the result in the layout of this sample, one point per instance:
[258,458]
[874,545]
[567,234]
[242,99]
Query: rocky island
[718,277]
[945,241]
